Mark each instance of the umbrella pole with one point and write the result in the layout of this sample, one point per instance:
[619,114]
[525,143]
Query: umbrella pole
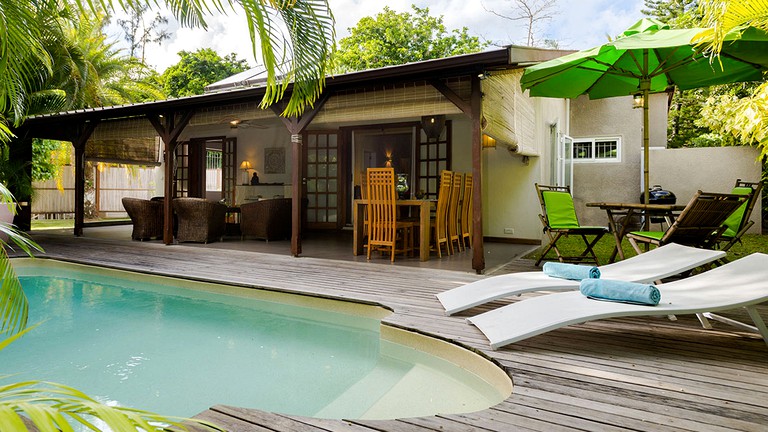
[646,156]
[645,86]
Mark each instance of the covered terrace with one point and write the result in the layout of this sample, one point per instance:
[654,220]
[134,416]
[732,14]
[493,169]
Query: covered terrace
[476,94]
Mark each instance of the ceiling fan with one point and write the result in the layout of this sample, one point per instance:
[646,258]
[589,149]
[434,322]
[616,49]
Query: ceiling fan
[236,123]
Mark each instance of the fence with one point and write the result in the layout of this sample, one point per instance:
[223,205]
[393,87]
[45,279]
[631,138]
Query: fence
[110,183]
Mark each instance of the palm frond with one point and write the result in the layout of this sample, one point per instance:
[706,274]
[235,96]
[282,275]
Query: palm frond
[23,59]
[46,101]
[14,308]
[724,16]
[52,406]
[311,41]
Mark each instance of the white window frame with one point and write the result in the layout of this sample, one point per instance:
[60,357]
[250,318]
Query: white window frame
[593,140]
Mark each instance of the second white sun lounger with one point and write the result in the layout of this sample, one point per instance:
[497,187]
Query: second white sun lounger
[651,266]
[741,283]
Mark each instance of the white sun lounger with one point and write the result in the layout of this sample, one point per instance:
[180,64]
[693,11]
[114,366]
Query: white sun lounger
[741,283]
[654,265]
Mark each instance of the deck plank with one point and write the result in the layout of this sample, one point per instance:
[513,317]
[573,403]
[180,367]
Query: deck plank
[637,374]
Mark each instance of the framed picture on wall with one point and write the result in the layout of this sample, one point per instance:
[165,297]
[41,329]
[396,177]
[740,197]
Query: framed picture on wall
[274,160]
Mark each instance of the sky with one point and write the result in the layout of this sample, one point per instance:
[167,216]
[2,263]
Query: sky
[578,24]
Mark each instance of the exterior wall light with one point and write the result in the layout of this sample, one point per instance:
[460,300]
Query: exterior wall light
[488,142]
[637,100]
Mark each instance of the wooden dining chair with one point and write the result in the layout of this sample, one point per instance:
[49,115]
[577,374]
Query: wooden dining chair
[454,210]
[441,213]
[384,230]
[738,223]
[466,212]
[700,224]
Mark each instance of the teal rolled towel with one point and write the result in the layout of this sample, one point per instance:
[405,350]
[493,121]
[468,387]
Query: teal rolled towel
[620,291]
[570,271]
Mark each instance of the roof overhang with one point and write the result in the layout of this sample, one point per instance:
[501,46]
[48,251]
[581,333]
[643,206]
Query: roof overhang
[61,125]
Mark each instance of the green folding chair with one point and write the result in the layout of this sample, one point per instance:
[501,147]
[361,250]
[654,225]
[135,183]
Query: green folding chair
[738,222]
[558,215]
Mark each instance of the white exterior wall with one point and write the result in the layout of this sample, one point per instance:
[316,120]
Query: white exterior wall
[710,169]
[613,181]
[509,196]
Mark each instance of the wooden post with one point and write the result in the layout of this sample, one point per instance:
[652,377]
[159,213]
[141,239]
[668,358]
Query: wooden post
[296,126]
[478,252]
[296,193]
[473,110]
[84,132]
[169,132]
[79,188]
[20,153]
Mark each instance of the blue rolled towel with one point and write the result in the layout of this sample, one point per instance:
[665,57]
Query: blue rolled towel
[620,291]
[570,271]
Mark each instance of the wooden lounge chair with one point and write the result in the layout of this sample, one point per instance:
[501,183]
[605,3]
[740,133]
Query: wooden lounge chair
[146,217]
[384,230]
[700,224]
[738,223]
[740,283]
[558,215]
[662,262]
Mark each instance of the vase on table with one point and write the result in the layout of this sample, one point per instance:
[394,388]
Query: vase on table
[402,186]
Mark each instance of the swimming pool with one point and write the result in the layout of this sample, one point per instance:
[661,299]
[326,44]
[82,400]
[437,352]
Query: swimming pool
[178,347]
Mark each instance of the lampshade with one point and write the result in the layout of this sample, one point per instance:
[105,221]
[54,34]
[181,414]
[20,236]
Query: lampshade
[433,126]
[245,165]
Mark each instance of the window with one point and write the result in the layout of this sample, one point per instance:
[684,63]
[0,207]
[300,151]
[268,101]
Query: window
[597,149]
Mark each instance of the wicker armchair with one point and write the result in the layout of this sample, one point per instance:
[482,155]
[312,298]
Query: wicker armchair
[146,216]
[268,219]
[199,220]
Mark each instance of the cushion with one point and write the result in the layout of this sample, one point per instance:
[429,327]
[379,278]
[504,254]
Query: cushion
[733,223]
[560,210]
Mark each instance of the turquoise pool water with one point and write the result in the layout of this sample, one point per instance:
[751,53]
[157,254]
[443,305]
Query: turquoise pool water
[178,347]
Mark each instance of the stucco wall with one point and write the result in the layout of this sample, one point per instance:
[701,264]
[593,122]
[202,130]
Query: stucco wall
[613,181]
[509,197]
[710,169]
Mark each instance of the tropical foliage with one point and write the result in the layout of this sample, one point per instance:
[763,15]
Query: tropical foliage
[197,69]
[746,118]
[295,40]
[392,38]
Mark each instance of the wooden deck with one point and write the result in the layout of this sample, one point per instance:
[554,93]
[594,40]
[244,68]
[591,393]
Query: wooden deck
[636,374]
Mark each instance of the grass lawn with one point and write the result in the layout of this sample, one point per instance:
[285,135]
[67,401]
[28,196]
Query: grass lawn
[574,245]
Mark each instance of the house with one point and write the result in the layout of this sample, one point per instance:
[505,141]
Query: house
[465,113]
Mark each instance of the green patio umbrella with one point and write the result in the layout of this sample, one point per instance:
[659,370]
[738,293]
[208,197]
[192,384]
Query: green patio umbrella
[648,58]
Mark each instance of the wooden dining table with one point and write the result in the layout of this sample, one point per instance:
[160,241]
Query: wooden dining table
[617,210]
[424,207]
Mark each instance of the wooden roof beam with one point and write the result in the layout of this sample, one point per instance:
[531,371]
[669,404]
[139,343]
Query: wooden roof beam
[451,95]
